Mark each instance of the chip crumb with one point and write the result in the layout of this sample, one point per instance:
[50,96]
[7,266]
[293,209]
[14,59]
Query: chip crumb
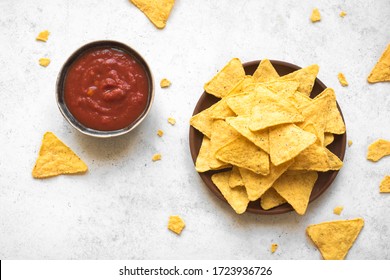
[156,157]
[172,121]
[315,15]
[343,14]
[176,224]
[43,36]
[385,185]
[44,61]
[165,83]
[337,210]
[349,143]
[160,132]
[342,79]
[274,247]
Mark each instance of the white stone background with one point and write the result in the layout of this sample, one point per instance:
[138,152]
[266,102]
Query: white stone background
[120,208]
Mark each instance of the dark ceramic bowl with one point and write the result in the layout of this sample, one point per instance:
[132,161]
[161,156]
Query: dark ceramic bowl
[324,180]
[62,78]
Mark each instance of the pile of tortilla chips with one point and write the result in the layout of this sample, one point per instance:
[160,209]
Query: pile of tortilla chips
[268,134]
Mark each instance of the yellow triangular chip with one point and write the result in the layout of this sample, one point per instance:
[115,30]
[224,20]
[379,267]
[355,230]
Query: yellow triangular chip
[259,138]
[267,114]
[296,189]
[221,134]
[334,239]
[381,71]
[271,199]
[203,121]
[287,141]
[305,77]
[222,83]
[157,11]
[236,197]
[334,162]
[202,161]
[328,139]
[235,179]
[243,153]
[256,185]
[56,158]
[265,72]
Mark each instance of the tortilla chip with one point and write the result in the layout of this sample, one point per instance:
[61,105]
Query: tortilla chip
[265,72]
[256,185]
[157,11]
[55,158]
[259,138]
[334,121]
[235,179]
[284,88]
[267,114]
[221,110]
[305,77]
[296,189]
[44,61]
[385,185]
[342,79]
[225,80]
[334,239]
[203,121]
[164,83]
[378,150]
[202,161]
[236,197]
[243,103]
[222,133]
[243,153]
[315,15]
[43,36]
[337,210]
[328,138]
[271,199]
[274,247]
[381,71]
[287,141]
[176,224]
[334,162]
[299,100]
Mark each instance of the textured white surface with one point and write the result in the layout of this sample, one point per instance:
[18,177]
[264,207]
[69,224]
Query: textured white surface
[120,208]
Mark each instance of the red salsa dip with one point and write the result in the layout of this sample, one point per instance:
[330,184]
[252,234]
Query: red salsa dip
[106,89]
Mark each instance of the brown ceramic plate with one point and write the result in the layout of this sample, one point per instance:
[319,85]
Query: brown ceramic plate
[325,179]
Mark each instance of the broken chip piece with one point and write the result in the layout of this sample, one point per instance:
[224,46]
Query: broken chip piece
[315,15]
[274,247]
[160,132]
[165,83]
[343,14]
[381,71]
[156,157]
[385,185]
[176,224]
[350,143]
[44,61]
[378,150]
[157,11]
[43,36]
[337,210]
[342,79]
[334,239]
[56,158]
[172,121]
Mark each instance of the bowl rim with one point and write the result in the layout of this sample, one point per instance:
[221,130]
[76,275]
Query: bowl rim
[206,178]
[61,77]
